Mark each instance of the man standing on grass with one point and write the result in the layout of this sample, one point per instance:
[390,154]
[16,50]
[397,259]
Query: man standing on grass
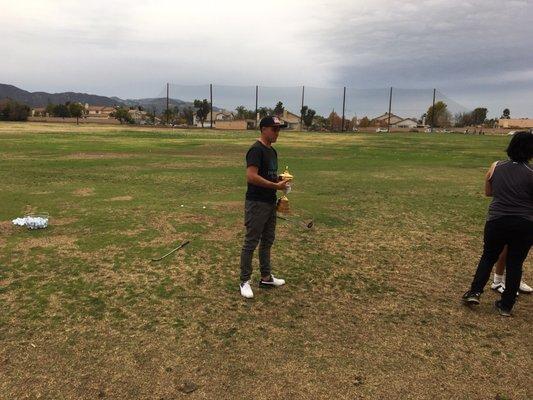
[260,205]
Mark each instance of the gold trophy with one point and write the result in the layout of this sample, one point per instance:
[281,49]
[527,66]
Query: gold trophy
[283,202]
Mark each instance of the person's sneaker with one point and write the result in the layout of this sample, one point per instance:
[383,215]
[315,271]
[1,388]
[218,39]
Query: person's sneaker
[525,288]
[273,281]
[499,287]
[246,290]
[504,312]
[471,297]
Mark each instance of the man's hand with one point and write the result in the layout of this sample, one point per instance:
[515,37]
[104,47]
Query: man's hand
[282,185]
[254,178]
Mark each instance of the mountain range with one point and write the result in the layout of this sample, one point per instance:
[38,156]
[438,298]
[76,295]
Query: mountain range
[41,99]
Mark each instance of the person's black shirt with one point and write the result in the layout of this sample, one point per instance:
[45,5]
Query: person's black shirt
[266,160]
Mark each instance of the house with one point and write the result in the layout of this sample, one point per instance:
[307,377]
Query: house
[405,123]
[139,116]
[292,120]
[516,123]
[383,120]
[222,115]
[98,111]
[38,112]
[235,124]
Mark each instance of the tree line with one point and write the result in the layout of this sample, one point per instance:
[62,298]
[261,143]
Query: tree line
[437,116]
[11,110]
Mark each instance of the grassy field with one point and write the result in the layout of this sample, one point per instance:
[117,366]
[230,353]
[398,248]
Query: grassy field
[371,308]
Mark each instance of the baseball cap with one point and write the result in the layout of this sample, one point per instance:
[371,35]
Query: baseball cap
[272,121]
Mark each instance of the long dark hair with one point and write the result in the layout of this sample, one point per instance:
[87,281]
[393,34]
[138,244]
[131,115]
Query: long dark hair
[520,148]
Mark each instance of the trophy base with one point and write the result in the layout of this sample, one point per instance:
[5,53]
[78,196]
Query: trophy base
[283,205]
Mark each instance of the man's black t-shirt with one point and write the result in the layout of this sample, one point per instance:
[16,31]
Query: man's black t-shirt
[266,160]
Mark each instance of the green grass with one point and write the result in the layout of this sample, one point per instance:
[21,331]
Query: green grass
[371,306]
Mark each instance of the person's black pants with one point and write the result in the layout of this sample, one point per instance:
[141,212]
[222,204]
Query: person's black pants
[517,234]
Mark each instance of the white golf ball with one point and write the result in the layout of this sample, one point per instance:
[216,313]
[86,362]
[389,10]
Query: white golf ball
[182,205]
[203,207]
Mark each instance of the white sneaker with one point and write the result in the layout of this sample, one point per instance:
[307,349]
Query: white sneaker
[246,290]
[525,288]
[499,287]
[273,281]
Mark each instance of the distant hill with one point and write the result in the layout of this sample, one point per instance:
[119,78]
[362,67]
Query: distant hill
[41,99]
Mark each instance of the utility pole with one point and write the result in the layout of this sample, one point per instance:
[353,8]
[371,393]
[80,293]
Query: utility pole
[256,104]
[390,106]
[433,111]
[301,109]
[168,85]
[343,107]
[211,102]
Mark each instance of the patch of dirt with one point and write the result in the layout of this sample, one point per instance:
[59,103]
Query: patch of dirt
[62,221]
[61,241]
[83,192]
[225,234]
[121,198]
[228,205]
[6,227]
[132,232]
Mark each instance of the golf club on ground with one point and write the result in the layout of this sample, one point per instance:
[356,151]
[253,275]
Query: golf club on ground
[309,225]
[172,251]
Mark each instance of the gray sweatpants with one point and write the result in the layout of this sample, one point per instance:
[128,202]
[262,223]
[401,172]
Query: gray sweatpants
[260,222]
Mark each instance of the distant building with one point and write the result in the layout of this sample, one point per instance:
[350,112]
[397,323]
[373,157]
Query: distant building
[38,112]
[405,123]
[235,124]
[138,116]
[383,120]
[98,111]
[292,120]
[217,116]
[516,123]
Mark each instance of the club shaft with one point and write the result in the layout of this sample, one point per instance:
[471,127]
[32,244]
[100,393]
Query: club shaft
[172,251]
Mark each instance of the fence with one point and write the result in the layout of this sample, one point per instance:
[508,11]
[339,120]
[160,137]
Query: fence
[383,106]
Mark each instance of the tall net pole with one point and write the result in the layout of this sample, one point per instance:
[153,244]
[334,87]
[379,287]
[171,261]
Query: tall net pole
[211,104]
[167,112]
[433,111]
[302,109]
[390,107]
[256,105]
[343,107]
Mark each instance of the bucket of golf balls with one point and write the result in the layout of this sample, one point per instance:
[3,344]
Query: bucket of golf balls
[37,221]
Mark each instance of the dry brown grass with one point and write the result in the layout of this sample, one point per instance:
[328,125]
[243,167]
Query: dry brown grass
[121,198]
[83,192]
[371,308]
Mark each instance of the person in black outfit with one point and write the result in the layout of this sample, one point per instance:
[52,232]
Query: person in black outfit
[509,221]
[260,205]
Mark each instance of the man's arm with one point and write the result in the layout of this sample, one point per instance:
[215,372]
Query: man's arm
[255,179]
[488,178]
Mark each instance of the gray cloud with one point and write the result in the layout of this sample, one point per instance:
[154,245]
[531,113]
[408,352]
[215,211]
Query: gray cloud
[477,52]
[468,49]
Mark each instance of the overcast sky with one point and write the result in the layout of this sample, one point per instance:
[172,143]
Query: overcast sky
[477,52]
